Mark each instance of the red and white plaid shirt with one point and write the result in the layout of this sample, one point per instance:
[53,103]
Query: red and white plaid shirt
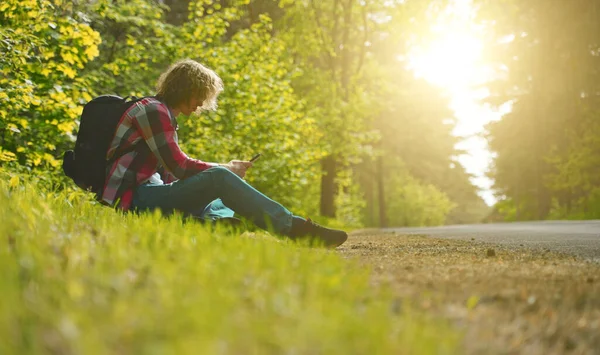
[151,121]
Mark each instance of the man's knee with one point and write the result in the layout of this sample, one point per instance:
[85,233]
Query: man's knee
[221,172]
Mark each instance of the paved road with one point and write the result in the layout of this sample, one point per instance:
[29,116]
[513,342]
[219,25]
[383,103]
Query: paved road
[576,237]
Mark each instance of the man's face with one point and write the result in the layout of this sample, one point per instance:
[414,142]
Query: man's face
[191,107]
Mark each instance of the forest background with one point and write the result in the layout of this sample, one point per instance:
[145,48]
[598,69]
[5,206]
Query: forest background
[320,89]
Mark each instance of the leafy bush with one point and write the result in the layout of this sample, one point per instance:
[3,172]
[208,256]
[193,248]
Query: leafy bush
[412,203]
[41,52]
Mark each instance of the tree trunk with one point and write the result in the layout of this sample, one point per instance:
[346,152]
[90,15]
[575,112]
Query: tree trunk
[381,189]
[365,173]
[370,194]
[328,186]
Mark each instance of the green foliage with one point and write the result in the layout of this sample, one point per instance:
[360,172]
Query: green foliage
[414,204]
[350,200]
[328,41]
[575,182]
[79,278]
[547,147]
[40,92]
[332,44]
[137,46]
[507,211]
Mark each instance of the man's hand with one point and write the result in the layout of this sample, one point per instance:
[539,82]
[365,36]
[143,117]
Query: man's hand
[238,167]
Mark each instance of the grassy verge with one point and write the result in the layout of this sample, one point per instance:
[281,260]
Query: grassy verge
[78,278]
[506,300]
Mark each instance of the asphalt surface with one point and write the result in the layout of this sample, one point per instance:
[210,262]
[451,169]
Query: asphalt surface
[580,238]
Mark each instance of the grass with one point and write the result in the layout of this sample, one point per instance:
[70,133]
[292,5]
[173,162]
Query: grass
[78,278]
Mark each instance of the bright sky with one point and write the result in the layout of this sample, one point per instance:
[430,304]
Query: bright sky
[452,59]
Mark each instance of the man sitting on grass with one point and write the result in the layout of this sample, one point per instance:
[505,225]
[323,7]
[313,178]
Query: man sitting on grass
[160,176]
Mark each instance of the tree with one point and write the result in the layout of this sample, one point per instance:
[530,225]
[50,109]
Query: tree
[330,43]
[549,61]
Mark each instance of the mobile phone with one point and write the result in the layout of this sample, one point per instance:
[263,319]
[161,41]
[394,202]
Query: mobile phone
[254,158]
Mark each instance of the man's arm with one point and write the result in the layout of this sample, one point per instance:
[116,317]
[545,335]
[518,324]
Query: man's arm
[166,176]
[154,123]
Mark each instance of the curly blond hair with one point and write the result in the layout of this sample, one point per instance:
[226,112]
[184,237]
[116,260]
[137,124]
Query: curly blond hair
[187,79]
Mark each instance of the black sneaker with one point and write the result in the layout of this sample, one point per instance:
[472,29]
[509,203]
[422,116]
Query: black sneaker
[312,231]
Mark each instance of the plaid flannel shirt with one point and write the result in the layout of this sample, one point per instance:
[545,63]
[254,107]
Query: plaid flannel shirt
[148,120]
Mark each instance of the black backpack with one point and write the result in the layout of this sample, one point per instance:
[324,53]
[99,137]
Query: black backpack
[87,164]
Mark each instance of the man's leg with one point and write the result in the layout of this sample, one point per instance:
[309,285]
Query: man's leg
[198,191]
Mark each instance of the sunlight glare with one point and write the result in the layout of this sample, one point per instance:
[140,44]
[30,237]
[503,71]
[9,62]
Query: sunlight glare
[450,61]
[450,57]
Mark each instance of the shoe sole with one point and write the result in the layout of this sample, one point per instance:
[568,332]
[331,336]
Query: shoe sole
[332,244]
[341,242]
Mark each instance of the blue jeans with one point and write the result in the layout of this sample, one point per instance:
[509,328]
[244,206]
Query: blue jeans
[214,193]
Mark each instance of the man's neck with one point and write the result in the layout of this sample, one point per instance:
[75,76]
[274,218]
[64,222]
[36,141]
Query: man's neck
[174,111]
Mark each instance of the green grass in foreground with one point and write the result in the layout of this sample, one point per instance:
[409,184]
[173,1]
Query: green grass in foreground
[78,278]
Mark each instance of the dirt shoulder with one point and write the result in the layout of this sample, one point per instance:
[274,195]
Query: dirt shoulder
[506,300]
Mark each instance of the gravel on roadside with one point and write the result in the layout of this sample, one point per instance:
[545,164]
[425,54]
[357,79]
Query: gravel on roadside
[506,300]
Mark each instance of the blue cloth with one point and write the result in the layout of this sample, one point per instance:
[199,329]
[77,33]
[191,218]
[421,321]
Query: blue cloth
[213,194]
[215,210]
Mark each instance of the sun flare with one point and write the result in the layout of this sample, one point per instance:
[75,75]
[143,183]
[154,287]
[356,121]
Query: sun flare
[451,61]
[451,57]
